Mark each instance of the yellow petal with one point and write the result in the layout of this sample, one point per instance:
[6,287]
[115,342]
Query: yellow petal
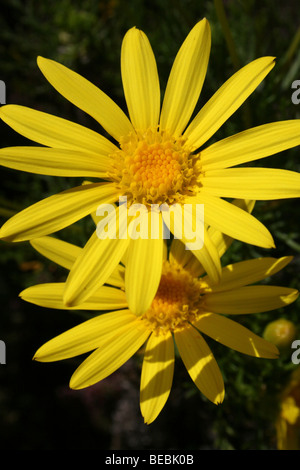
[209,258]
[258,142]
[140,80]
[84,337]
[227,100]
[200,364]
[112,355]
[53,131]
[235,336]
[178,224]
[143,271]
[233,221]
[157,375]
[58,251]
[87,97]
[185,258]
[55,162]
[250,299]
[96,263]
[252,183]
[249,272]
[58,211]
[117,277]
[50,295]
[218,238]
[186,79]
[178,253]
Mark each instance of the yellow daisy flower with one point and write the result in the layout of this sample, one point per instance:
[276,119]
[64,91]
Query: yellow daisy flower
[156,157]
[186,306]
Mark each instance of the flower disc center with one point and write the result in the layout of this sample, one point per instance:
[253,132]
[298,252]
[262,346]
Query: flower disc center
[177,300]
[155,168]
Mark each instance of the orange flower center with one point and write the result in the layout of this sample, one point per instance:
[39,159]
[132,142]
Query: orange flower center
[155,168]
[177,301]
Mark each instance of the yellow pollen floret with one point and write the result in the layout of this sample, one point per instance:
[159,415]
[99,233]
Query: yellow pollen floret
[155,168]
[177,301]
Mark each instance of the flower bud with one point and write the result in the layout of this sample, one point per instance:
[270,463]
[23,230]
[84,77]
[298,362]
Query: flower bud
[281,332]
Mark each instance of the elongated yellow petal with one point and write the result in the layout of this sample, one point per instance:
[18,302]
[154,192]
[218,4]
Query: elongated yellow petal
[65,254]
[250,299]
[157,375]
[58,251]
[258,142]
[185,258]
[58,211]
[181,226]
[143,271]
[55,162]
[227,100]
[140,80]
[51,296]
[248,272]
[233,221]
[220,239]
[85,337]
[96,263]
[235,336]
[186,79]
[117,277]
[53,131]
[87,97]
[112,355]
[252,183]
[209,258]
[200,364]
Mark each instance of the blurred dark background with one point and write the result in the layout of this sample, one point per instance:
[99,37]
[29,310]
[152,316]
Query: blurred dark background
[37,408]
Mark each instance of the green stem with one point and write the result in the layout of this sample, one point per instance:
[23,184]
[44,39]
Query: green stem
[221,14]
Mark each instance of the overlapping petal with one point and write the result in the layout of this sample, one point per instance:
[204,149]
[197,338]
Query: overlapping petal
[233,221]
[84,337]
[200,364]
[58,211]
[98,260]
[181,226]
[86,96]
[157,375]
[143,269]
[113,354]
[220,239]
[247,272]
[59,251]
[51,295]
